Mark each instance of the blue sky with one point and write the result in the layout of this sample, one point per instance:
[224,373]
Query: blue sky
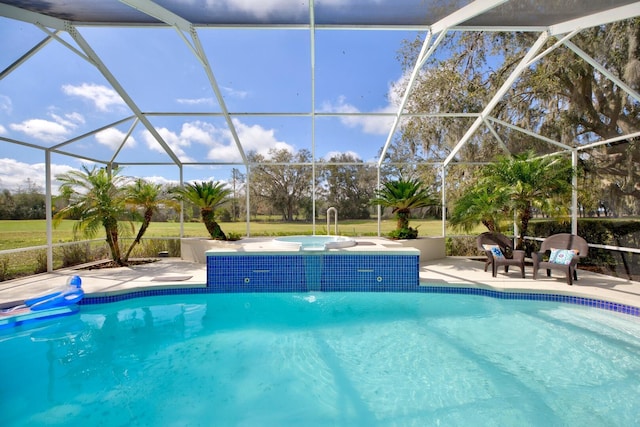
[56,95]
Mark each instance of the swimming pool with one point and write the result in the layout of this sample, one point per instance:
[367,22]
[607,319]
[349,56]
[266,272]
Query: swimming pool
[324,359]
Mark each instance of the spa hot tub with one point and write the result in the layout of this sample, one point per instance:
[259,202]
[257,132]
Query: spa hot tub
[315,243]
[311,263]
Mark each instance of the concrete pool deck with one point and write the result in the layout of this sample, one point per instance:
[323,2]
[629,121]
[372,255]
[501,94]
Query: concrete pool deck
[446,272]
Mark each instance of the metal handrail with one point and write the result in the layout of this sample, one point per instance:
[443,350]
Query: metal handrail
[335,212]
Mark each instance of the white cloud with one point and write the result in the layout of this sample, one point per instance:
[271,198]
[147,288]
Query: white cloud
[102,97]
[234,93]
[231,92]
[13,174]
[252,137]
[75,118]
[376,125]
[69,121]
[174,141]
[44,130]
[195,101]
[200,132]
[161,180]
[261,8]
[47,130]
[112,138]
[6,106]
[219,141]
[3,130]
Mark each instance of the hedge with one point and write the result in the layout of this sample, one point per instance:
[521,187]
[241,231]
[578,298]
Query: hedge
[612,232]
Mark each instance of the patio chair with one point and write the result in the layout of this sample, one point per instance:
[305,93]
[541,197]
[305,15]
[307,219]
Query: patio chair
[500,251]
[565,251]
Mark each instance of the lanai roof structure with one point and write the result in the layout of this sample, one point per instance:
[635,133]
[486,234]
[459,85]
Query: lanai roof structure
[200,33]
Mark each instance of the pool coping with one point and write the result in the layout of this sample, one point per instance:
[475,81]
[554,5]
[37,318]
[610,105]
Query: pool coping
[459,275]
[461,289]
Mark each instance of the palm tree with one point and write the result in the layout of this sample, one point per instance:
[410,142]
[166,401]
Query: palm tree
[150,197]
[207,195]
[96,200]
[527,182]
[480,205]
[403,196]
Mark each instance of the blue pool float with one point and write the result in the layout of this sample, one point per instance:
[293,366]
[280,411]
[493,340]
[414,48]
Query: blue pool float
[55,303]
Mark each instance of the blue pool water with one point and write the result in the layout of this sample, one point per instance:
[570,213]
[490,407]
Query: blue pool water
[318,243]
[324,359]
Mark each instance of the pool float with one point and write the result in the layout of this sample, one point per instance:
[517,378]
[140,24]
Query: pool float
[54,303]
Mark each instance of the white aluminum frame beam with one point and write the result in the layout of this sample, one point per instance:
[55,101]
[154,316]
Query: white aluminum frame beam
[31,17]
[84,135]
[48,215]
[44,22]
[498,138]
[26,56]
[605,17]
[115,84]
[461,15]
[595,64]
[524,63]
[422,57]
[54,35]
[574,192]
[529,132]
[555,45]
[608,141]
[22,143]
[478,7]
[124,140]
[312,66]
[183,26]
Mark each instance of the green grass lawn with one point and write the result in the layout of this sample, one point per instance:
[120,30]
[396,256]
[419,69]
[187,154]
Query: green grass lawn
[25,233]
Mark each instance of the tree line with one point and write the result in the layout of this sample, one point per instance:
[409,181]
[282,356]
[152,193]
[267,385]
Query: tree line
[25,203]
[280,190]
[276,189]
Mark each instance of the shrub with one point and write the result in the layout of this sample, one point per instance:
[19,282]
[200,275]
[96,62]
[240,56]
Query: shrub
[625,233]
[76,254]
[404,233]
[461,246]
[41,262]
[224,215]
[234,236]
[4,269]
[152,247]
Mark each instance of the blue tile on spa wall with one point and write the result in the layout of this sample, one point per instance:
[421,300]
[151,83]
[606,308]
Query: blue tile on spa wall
[256,273]
[378,273]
